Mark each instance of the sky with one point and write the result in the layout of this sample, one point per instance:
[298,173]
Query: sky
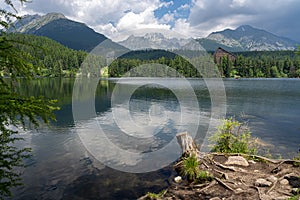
[192,18]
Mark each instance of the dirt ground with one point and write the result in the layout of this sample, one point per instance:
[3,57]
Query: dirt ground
[262,178]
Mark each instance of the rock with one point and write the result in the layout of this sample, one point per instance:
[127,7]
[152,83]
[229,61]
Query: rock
[252,161]
[272,179]
[284,182]
[237,160]
[262,183]
[178,179]
[256,171]
[215,198]
[242,170]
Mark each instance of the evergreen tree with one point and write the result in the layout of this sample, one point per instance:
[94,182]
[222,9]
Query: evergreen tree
[15,109]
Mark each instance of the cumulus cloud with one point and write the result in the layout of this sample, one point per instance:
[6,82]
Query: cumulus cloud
[204,16]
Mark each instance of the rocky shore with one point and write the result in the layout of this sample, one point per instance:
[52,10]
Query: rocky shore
[234,176]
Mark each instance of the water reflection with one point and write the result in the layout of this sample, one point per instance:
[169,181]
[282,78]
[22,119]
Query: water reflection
[61,167]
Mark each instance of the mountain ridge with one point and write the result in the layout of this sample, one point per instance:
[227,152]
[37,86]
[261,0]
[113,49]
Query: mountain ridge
[79,36]
[56,26]
[249,38]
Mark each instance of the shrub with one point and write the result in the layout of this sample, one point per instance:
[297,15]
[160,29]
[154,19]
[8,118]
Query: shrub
[204,176]
[232,137]
[190,168]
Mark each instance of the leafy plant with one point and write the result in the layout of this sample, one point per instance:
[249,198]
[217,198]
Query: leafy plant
[297,158]
[153,196]
[233,137]
[204,176]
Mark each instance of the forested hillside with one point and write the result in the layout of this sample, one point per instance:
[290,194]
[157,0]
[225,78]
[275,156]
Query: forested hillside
[258,64]
[268,64]
[56,60]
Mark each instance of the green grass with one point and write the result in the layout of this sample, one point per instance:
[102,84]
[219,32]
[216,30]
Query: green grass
[153,196]
[190,168]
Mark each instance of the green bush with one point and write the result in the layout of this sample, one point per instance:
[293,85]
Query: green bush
[204,176]
[190,168]
[232,137]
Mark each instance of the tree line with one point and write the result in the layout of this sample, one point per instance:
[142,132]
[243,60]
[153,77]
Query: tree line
[55,60]
[268,64]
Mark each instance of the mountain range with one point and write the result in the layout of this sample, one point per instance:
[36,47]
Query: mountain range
[79,36]
[57,27]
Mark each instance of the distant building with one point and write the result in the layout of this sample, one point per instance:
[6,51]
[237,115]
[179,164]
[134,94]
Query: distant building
[220,53]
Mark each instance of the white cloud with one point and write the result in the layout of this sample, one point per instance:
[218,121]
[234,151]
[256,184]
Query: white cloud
[168,17]
[184,7]
[166,4]
[110,17]
[273,15]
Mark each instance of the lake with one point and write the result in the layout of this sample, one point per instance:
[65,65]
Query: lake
[77,158]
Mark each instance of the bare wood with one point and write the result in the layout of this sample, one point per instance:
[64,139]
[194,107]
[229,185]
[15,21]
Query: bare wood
[201,185]
[224,167]
[210,185]
[273,186]
[224,184]
[259,193]
[187,144]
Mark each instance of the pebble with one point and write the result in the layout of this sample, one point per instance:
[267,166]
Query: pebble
[284,182]
[178,179]
[215,198]
[262,183]
[252,161]
[272,179]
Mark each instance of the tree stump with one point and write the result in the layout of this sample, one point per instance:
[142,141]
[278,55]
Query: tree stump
[187,144]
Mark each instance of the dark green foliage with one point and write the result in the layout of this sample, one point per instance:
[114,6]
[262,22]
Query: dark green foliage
[121,66]
[149,54]
[52,58]
[275,64]
[16,110]
[261,64]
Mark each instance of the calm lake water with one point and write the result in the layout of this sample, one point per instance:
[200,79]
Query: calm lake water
[62,168]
